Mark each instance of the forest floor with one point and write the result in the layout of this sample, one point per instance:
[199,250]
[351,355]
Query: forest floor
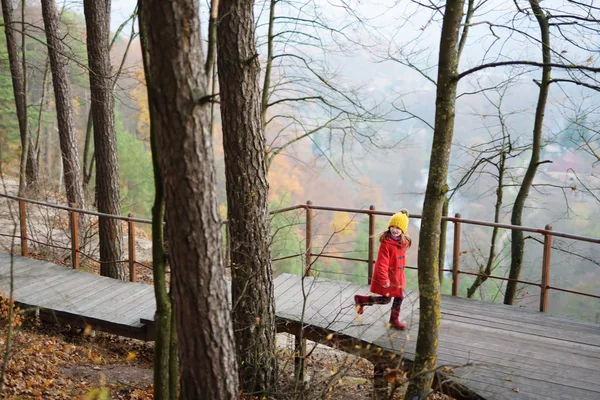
[56,362]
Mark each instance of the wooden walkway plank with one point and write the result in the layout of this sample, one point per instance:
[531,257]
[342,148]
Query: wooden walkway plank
[516,339]
[20,277]
[520,364]
[338,308]
[329,290]
[44,281]
[576,336]
[75,295]
[129,309]
[59,290]
[98,298]
[536,322]
[513,313]
[117,302]
[503,378]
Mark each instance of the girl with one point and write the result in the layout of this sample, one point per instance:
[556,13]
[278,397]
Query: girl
[388,275]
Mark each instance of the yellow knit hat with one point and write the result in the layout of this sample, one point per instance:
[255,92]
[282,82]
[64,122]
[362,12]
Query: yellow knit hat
[400,220]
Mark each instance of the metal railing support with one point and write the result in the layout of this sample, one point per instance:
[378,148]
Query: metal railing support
[73,217]
[131,247]
[545,271]
[371,243]
[23,228]
[456,256]
[308,267]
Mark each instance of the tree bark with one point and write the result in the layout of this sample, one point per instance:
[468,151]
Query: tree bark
[163,316]
[97,20]
[429,284]
[184,145]
[247,198]
[64,106]
[518,242]
[17,69]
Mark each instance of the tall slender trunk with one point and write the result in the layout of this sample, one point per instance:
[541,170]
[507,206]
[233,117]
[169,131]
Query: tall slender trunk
[89,156]
[247,198]
[444,224]
[19,82]
[97,20]
[184,145]
[64,106]
[498,208]
[264,104]
[162,317]
[518,242]
[429,284]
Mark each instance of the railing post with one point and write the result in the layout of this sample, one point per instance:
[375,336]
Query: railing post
[545,270]
[74,237]
[371,243]
[456,256]
[308,269]
[131,240]
[23,226]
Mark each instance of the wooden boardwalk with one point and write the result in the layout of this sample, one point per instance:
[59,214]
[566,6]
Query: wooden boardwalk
[492,351]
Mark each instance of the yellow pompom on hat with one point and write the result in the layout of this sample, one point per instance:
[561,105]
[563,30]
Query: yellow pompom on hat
[399,220]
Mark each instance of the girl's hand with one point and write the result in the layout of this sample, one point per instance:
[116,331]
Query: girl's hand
[386,285]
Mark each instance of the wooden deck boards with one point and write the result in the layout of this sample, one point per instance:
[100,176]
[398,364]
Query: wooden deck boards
[499,352]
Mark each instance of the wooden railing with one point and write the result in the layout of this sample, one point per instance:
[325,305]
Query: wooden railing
[308,255]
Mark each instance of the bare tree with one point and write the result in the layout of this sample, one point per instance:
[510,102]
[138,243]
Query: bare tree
[180,118]
[518,243]
[305,98]
[247,198]
[97,18]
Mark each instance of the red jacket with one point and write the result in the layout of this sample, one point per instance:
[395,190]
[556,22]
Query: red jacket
[389,268]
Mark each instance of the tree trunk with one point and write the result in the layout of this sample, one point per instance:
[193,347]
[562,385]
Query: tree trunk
[32,170]
[518,242]
[498,208]
[29,168]
[64,106]
[264,104]
[97,20]
[184,145]
[163,315]
[247,198]
[429,284]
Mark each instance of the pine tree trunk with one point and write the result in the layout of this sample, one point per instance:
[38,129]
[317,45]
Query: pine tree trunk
[247,198]
[429,238]
[163,315]
[97,20]
[64,106]
[30,170]
[184,145]
[517,240]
